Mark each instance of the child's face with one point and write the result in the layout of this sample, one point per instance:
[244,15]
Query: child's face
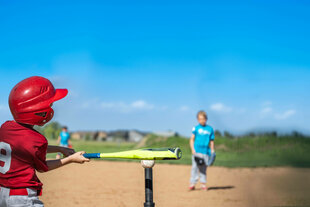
[202,120]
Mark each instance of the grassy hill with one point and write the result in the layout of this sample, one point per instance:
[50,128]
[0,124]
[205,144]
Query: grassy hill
[259,151]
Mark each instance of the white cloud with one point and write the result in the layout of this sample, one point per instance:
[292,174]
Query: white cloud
[163,108]
[140,104]
[107,105]
[184,108]
[266,110]
[91,103]
[220,107]
[118,106]
[56,79]
[285,115]
[267,103]
[242,110]
[126,107]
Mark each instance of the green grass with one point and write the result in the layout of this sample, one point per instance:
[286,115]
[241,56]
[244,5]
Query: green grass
[263,152]
[260,151]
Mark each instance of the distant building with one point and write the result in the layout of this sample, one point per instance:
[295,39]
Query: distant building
[89,135]
[100,136]
[117,135]
[126,135]
[166,134]
[76,135]
[135,136]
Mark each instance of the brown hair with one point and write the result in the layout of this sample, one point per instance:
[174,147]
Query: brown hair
[202,113]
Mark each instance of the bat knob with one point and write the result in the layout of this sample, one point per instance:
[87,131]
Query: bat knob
[178,153]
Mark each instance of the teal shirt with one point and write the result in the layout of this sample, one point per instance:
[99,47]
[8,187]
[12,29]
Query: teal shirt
[64,138]
[203,136]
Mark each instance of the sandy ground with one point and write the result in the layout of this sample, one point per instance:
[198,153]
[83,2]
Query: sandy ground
[118,184]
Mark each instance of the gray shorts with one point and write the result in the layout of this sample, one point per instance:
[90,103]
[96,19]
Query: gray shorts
[30,200]
[199,171]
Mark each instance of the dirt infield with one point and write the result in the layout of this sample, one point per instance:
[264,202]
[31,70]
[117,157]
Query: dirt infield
[118,184]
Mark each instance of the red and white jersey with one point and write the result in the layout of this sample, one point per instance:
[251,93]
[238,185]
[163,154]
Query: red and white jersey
[22,152]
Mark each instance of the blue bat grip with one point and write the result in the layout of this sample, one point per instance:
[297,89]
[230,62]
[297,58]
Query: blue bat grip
[92,155]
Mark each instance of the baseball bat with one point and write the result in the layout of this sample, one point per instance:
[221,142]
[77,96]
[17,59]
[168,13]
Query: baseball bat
[141,154]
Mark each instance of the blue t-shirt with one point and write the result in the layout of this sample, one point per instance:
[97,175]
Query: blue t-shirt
[64,138]
[203,136]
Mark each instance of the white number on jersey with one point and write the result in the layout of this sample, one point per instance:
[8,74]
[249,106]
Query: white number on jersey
[5,157]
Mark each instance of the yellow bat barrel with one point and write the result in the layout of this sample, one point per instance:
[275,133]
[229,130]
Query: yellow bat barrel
[147,154]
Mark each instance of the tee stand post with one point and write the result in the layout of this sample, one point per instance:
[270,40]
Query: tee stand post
[148,174]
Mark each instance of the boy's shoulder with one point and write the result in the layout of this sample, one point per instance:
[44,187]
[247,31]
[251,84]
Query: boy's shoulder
[38,137]
[209,127]
[196,127]
[18,131]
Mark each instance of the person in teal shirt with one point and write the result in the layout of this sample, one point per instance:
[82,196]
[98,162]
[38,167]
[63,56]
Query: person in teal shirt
[202,145]
[63,139]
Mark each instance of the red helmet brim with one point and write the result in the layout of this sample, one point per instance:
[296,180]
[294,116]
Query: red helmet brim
[60,93]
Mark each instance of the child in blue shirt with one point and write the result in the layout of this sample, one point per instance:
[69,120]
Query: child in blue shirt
[63,139]
[202,145]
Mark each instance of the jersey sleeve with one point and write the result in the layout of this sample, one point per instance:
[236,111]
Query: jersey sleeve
[39,157]
[212,135]
[194,131]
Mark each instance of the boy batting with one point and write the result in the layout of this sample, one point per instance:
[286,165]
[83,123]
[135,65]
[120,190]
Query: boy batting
[23,149]
[202,147]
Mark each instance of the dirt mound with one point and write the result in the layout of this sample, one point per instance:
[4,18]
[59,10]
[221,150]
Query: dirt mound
[118,184]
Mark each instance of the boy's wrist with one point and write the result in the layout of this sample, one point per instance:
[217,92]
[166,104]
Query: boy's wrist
[66,160]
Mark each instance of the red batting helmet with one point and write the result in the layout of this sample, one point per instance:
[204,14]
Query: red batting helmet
[31,99]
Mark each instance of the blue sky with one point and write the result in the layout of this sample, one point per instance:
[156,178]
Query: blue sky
[152,65]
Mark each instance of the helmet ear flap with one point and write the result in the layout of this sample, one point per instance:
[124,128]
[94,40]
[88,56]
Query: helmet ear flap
[42,114]
[45,116]
[48,117]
